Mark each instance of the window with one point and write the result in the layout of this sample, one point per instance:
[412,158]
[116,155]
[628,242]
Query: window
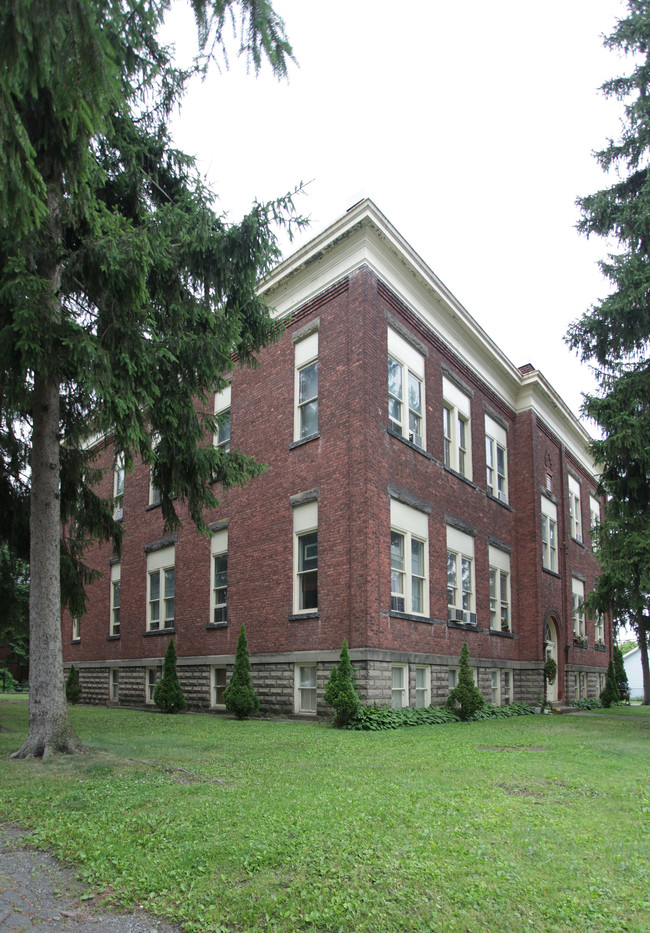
[219,595]
[507,688]
[153,675]
[305,692]
[422,686]
[405,389]
[114,684]
[154,493]
[549,482]
[602,682]
[218,684]
[399,686]
[305,557]
[453,678]
[496,440]
[460,577]
[118,488]
[549,535]
[599,628]
[583,685]
[578,589]
[306,387]
[575,510]
[499,590]
[76,628]
[222,413]
[409,559]
[456,429]
[161,589]
[116,574]
[495,687]
[594,512]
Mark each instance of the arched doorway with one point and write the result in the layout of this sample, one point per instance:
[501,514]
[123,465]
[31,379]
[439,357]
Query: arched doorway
[550,651]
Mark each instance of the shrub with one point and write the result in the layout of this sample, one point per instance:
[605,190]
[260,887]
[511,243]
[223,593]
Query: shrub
[239,696]
[380,718]
[340,690]
[168,695]
[7,680]
[465,699]
[593,703]
[501,712]
[72,685]
[610,694]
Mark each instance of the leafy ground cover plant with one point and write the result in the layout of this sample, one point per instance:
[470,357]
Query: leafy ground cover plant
[593,703]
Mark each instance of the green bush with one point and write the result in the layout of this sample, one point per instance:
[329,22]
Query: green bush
[341,691]
[72,686]
[168,695]
[465,699]
[501,712]
[379,718]
[619,667]
[593,703]
[610,694]
[9,681]
[239,696]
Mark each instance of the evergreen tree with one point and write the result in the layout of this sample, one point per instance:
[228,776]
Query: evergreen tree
[72,686]
[610,694]
[340,690]
[124,297]
[619,667]
[168,695]
[614,336]
[465,699]
[239,696]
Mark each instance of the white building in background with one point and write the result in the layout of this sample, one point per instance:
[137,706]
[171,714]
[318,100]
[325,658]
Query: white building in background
[632,663]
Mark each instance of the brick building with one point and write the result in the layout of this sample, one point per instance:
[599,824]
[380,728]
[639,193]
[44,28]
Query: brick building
[421,491]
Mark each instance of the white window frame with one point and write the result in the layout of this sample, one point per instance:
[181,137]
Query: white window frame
[154,493]
[594,512]
[422,685]
[306,689]
[575,509]
[76,628]
[219,578]
[495,687]
[399,684]
[453,678]
[222,407]
[507,687]
[114,684]
[159,563]
[305,523]
[118,488]
[152,677]
[116,586]
[457,432]
[549,535]
[412,526]
[599,628]
[305,357]
[218,683]
[579,621]
[496,449]
[460,553]
[404,417]
[500,597]
[583,685]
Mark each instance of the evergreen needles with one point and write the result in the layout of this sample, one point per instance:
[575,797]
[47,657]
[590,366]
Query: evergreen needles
[239,696]
[465,699]
[341,691]
[168,695]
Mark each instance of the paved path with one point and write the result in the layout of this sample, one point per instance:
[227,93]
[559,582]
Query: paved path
[38,894]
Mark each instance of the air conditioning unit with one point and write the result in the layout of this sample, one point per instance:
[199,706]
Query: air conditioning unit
[579,538]
[455,615]
[469,618]
[397,603]
[416,439]
[502,496]
[119,515]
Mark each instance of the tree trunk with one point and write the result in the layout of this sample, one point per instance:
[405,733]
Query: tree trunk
[50,730]
[643,645]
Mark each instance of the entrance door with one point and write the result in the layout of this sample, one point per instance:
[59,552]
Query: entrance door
[550,651]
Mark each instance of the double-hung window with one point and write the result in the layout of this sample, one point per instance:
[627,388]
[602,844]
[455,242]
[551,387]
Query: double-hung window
[406,414]
[154,492]
[549,535]
[222,402]
[594,512]
[161,589]
[114,684]
[409,559]
[457,446]
[76,628]
[399,686]
[578,590]
[422,686]
[575,509]
[495,687]
[305,557]
[218,684]
[306,387]
[599,628]
[219,596]
[499,590]
[496,445]
[116,575]
[153,676]
[305,688]
[507,687]
[460,577]
[118,488]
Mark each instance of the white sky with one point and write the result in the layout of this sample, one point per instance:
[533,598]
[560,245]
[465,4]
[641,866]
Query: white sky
[470,124]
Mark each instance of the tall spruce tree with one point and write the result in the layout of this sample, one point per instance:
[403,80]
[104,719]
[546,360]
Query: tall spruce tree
[614,336]
[123,295]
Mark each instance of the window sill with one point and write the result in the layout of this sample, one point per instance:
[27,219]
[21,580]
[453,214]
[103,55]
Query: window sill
[304,440]
[75,641]
[579,644]
[501,633]
[461,476]
[152,505]
[467,626]
[500,502]
[551,573]
[301,616]
[111,638]
[600,647]
[212,625]
[159,631]
[400,437]
[579,543]
[410,616]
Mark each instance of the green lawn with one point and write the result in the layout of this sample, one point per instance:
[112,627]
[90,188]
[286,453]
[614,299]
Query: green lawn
[534,823]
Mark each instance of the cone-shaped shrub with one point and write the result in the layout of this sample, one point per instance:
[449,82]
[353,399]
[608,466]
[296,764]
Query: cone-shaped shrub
[168,695]
[465,699]
[340,690]
[610,694]
[239,696]
[72,685]
[619,667]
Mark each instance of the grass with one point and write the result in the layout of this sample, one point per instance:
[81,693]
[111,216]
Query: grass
[533,823]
